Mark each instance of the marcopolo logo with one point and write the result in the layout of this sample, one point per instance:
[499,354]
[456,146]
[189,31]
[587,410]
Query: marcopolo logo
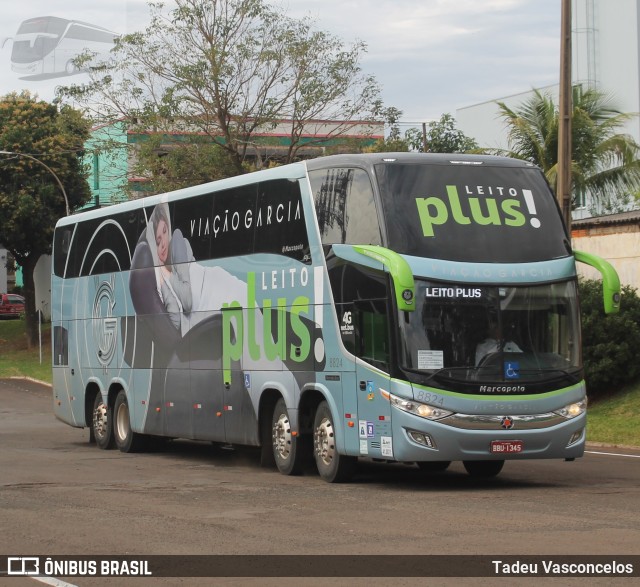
[482,205]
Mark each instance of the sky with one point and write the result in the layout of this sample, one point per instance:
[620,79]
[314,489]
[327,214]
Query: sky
[430,56]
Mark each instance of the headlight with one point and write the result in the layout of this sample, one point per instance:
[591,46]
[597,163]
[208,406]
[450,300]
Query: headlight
[573,410]
[417,408]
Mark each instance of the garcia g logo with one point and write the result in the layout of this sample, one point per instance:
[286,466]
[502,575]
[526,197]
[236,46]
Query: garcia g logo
[105,325]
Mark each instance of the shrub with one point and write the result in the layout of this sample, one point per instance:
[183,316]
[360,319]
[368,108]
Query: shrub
[609,343]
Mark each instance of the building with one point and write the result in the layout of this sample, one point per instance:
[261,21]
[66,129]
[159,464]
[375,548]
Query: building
[616,237]
[605,56]
[112,177]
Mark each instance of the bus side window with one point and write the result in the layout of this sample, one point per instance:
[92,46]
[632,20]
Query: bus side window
[373,327]
[345,206]
[62,246]
[361,299]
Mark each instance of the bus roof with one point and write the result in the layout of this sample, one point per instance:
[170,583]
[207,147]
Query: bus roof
[297,170]
[52,21]
[368,159]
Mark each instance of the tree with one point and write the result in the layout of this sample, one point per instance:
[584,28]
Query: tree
[393,143]
[442,136]
[610,342]
[172,163]
[230,70]
[47,143]
[605,162]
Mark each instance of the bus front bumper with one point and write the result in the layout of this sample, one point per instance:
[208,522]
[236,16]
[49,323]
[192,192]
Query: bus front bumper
[466,438]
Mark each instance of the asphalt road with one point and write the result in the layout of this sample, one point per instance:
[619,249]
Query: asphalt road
[61,495]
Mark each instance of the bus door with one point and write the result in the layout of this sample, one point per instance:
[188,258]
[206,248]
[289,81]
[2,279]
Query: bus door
[372,366]
[63,395]
[361,295]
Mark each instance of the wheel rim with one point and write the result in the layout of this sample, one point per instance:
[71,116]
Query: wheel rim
[100,420]
[282,436]
[122,421]
[324,445]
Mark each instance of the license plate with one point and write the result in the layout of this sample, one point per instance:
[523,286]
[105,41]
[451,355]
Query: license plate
[507,446]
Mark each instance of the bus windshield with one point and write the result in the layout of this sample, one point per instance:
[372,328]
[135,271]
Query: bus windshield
[492,333]
[471,211]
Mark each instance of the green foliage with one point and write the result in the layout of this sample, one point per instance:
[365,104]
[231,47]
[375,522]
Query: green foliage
[616,420]
[610,343]
[171,163]
[18,358]
[442,136]
[393,143]
[48,144]
[229,70]
[30,198]
[604,161]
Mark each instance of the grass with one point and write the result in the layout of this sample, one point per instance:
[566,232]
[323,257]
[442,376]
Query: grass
[616,419]
[613,420]
[16,360]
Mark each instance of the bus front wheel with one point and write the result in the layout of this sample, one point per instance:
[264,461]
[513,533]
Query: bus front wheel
[332,466]
[284,442]
[125,438]
[483,468]
[101,423]
[433,466]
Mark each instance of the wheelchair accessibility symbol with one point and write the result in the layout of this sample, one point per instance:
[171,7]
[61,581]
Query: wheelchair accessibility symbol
[511,370]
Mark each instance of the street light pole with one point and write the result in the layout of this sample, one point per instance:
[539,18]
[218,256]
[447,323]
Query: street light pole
[66,200]
[563,182]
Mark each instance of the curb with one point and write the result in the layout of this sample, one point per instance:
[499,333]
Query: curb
[31,379]
[604,445]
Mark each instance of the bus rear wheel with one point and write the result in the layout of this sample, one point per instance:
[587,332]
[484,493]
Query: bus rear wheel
[483,469]
[285,444]
[332,466]
[125,438]
[101,423]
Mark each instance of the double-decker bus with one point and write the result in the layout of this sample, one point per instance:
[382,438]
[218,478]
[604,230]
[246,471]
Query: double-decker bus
[417,308]
[48,45]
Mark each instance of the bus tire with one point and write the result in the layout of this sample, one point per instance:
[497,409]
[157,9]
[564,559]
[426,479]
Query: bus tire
[285,444]
[125,438]
[483,469]
[101,424]
[332,466]
[433,466]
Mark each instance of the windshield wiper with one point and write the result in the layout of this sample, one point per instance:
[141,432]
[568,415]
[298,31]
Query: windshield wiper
[448,372]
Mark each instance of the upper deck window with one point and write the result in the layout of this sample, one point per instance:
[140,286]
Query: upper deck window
[345,206]
[474,213]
